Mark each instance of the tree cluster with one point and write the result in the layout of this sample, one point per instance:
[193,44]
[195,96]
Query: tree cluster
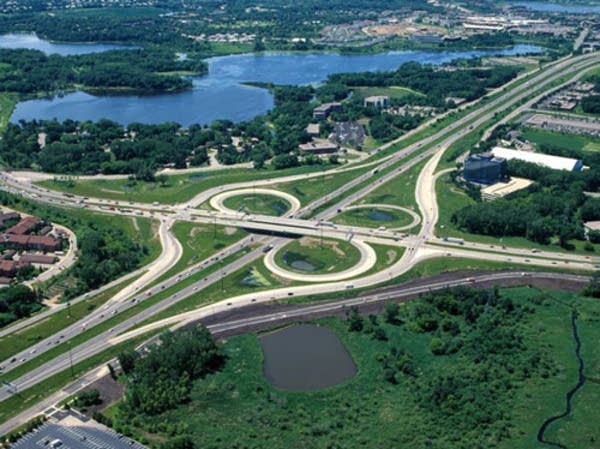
[162,378]
[17,301]
[144,70]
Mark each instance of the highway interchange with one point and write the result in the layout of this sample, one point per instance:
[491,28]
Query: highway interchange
[311,220]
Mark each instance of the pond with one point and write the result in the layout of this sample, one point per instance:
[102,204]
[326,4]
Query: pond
[222,93]
[305,357]
[32,42]
[378,215]
[279,207]
[298,262]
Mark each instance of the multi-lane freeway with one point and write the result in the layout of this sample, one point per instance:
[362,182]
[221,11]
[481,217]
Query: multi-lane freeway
[370,175]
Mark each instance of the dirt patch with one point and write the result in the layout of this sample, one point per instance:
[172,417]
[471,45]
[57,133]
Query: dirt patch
[310,242]
[229,230]
[136,226]
[112,191]
[391,255]
[110,392]
[196,230]
[155,228]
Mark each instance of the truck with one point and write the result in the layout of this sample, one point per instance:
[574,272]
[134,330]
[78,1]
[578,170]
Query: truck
[454,240]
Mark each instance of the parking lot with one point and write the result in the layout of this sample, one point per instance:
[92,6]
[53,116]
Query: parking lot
[70,430]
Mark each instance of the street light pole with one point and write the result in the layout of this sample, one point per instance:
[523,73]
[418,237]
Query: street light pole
[71,359]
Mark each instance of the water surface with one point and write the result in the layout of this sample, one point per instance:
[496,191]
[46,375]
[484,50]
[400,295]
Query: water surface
[222,95]
[305,357]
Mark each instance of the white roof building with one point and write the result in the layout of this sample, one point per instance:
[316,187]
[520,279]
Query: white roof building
[553,162]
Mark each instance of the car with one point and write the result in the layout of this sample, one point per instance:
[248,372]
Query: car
[253,300]
[228,303]
[14,359]
[290,293]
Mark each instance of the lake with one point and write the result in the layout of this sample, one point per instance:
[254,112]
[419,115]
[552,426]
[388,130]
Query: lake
[32,42]
[222,95]
[305,357]
[556,7]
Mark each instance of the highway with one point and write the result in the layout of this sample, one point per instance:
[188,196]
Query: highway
[418,248]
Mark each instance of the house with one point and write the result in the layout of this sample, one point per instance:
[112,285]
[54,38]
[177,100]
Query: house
[4,217]
[8,268]
[313,129]
[37,242]
[25,226]
[323,111]
[38,259]
[377,101]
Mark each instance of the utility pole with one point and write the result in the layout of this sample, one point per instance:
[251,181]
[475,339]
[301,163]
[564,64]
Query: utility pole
[222,277]
[71,360]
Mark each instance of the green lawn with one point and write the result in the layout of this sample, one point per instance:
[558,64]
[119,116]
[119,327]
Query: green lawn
[365,218]
[177,189]
[199,241]
[324,256]
[391,91]
[400,191]
[258,204]
[563,140]
[237,407]
[253,277]
[308,190]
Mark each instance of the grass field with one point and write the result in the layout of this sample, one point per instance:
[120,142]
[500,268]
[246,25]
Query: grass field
[238,408]
[178,188]
[562,140]
[310,255]
[400,191]
[391,91]
[199,241]
[258,204]
[308,190]
[365,218]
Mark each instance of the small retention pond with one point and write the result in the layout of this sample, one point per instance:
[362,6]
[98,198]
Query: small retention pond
[378,215]
[305,357]
[298,262]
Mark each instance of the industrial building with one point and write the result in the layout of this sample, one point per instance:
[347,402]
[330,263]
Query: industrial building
[484,168]
[323,111]
[553,162]
[318,147]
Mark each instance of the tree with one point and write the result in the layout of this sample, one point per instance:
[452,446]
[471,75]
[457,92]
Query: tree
[392,313]
[593,288]
[355,320]
[127,360]
[162,179]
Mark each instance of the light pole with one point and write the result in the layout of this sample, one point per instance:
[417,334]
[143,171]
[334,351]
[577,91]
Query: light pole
[71,359]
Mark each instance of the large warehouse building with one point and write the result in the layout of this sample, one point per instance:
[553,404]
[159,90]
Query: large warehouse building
[484,169]
[553,162]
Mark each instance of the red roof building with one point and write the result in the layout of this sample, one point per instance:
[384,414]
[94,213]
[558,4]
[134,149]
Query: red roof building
[25,226]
